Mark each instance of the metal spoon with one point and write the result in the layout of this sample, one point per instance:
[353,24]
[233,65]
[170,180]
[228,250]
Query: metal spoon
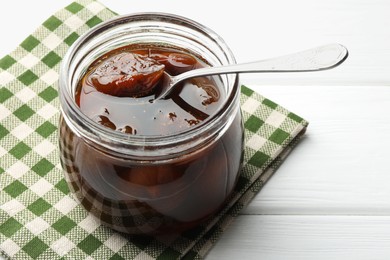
[316,59]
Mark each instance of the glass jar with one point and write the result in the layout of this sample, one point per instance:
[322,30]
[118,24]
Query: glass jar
[193,172]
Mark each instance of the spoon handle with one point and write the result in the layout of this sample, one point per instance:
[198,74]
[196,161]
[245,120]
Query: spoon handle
[320,58]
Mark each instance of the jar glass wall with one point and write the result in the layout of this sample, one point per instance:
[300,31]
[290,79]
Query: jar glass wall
[150,184]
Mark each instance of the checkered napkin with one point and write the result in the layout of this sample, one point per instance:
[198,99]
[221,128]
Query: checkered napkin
[39,219]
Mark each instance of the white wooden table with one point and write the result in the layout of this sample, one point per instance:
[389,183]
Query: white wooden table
[331,198]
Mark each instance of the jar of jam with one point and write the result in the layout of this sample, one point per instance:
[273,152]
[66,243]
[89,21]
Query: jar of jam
[138,163]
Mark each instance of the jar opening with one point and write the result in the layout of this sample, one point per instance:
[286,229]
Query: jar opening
[156,29]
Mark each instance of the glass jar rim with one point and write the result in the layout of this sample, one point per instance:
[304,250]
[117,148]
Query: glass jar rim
[93,131]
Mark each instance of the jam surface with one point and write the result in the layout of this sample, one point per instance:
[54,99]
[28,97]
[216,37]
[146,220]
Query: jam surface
[119,89]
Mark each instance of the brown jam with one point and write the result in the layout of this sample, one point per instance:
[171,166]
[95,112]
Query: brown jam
[147,196]
[119,90]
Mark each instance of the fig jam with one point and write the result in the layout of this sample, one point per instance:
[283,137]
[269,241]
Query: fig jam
[143,165]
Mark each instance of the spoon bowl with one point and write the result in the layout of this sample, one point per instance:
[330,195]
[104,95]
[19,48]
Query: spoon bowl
[316,59]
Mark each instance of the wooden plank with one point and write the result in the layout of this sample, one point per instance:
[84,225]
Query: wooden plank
[264,29]
[305,237]
[341,166]
[257,30]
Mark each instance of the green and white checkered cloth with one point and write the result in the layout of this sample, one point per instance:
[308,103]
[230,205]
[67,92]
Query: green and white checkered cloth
[39,219]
